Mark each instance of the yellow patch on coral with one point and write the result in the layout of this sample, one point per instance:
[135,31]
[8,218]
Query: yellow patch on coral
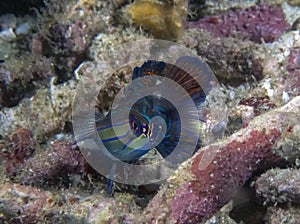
[165,21]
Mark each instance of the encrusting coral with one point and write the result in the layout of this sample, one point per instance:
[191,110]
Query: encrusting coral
[203,185]
[164,20]
[256,23]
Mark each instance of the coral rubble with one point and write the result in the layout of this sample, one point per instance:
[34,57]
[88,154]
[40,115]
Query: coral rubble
[53,164]
[215,174]
[230,58]
[279,186]
[255,23]
[254,49]
[280,215]
[20,146]
[26,204]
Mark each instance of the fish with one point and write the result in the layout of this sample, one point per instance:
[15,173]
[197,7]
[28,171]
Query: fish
[136,132]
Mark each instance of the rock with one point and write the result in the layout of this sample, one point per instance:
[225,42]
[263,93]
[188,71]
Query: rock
[18,79]
[256,23]
[53,164]
[290,215]
[26,204]
[230,58]
[213,175]
[19,147]
[279,186]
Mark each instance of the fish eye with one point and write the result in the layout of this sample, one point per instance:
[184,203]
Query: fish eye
[134,126]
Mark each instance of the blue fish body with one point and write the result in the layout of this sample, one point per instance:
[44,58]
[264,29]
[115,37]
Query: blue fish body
[129,147]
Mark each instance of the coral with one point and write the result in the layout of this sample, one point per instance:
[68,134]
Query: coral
[113,211]
[289,146]
[70,47]
[53,164]
[67,44]
[215,6]
[237,60]
[60,45]
[97,69]
[292,13]
[19,146]
[17,78]
[116,4]
[230,58]
[32,203]
[289,215]
[195,9]
[37,84]
[255,23]
[222,216]
[47,112]
[65,40]
[65,30]
[249,108]
[294,69]
[294,61]
[8,21]
[20,73]
[213,184]
[279,83]
[279,186]
[294,2]
[259,104]
[13,28]
[204,184]
[26,204]
[164,20]
[277,65]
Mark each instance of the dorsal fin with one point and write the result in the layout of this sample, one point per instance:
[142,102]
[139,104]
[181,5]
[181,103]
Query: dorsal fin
[198,69]
[152,68]
[189,72]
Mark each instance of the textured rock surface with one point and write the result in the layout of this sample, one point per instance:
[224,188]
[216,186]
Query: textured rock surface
[256,23]
[48,111]
[54,164]
[37,87]
[17,79]
[230,58]
[282,215]
[279,186]
[19,147]
[208,181]
[26,204]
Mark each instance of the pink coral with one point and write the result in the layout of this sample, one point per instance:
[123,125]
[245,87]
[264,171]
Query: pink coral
[257,22]
[218,171]
[223,177]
